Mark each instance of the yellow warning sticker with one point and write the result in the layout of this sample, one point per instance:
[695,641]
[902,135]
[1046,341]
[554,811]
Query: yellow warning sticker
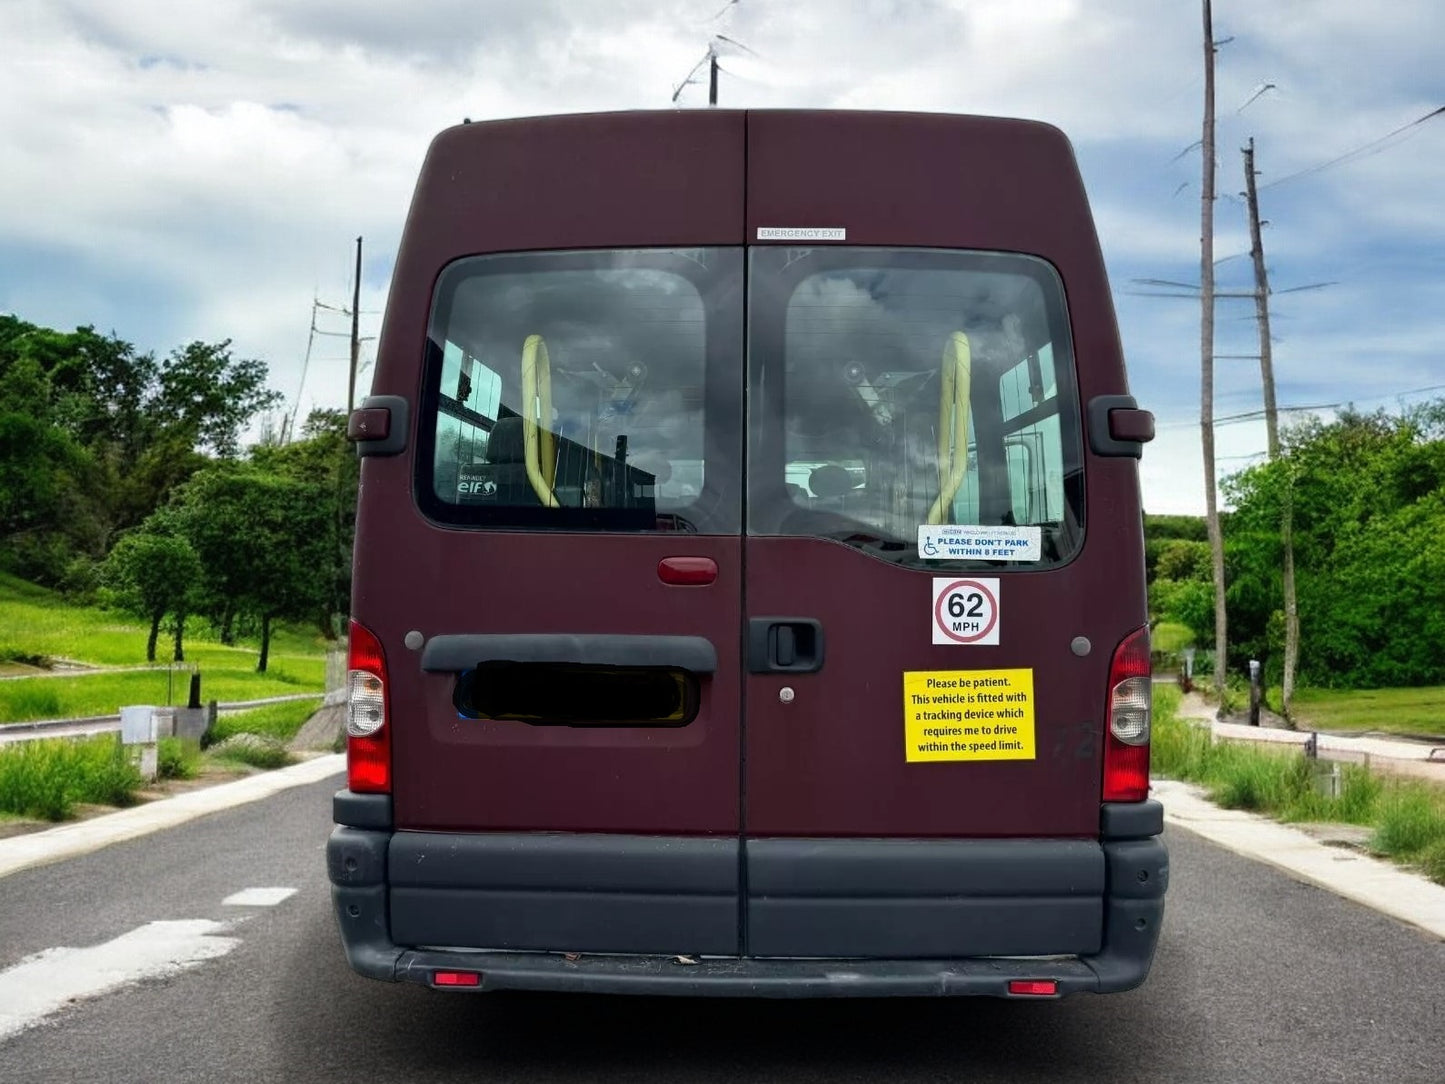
[968,715]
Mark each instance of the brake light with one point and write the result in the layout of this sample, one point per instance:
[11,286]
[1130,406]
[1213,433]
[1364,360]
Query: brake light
[368,738]
[1126,748]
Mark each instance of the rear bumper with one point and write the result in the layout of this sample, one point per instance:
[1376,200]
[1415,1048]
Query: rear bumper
[514,904]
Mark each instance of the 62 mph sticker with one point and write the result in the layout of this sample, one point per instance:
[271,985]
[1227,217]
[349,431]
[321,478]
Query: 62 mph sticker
[965,610]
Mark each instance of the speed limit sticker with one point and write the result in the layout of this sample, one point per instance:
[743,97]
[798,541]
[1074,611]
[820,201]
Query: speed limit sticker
[965,611]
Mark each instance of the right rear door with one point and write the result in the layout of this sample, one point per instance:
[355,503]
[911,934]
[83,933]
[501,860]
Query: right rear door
[920,369]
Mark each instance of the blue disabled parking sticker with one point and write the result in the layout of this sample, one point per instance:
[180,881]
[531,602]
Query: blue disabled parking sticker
[961,542]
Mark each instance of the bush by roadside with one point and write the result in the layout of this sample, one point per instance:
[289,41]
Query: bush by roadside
[1407,818]
[48,779]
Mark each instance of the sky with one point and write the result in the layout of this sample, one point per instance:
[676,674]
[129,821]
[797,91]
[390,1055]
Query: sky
[175,171]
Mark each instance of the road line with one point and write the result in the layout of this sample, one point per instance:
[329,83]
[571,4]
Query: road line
[41,984]
[82,837]
[258,897]
[1374,882]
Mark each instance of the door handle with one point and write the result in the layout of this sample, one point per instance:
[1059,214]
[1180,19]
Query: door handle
[784,645]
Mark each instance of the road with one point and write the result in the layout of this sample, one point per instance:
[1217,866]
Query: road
[1258,978]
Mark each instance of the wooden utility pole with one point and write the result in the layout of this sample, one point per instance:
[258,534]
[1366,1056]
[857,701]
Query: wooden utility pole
[1206,358]
[1271,425]
[712,75]
[355,331]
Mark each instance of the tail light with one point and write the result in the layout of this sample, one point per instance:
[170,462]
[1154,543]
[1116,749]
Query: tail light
[368,738]
[1126,749]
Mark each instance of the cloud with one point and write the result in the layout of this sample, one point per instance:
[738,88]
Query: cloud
[178,171]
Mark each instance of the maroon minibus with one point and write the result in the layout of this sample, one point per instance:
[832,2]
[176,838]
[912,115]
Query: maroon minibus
[749,576]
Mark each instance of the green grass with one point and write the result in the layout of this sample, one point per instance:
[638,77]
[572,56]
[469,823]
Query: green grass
[37,623]
[47,779]
[1418,711]
[257,752]
[177,759]
[279,721]
[1170,637]
[1408,816]
[105,693]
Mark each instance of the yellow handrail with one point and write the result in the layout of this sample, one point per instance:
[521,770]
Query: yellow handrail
[539,443]
[953,396]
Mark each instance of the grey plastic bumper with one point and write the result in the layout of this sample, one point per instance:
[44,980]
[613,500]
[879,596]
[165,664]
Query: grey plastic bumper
[1136,879]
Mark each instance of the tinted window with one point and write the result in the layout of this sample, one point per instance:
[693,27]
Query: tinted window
[899,388]
[586,390]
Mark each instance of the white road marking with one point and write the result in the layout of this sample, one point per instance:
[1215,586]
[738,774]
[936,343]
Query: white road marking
[258,897]
[1373,882]
[82,837]
[41,984]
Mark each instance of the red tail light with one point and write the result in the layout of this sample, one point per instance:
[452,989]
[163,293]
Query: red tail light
[1126,747]
[368,737]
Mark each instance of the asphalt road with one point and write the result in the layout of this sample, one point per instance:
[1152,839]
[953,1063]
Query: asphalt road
[1258,978]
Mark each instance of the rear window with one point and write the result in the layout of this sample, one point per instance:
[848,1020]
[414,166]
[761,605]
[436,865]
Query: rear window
[586,390]
[905,389]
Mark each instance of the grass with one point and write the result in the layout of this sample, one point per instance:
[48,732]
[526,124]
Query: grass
[104,693]
[177,759]
[279,721]
[1418,711]
[48,779]
[1170,637]
[255,751]
[37,624]
[1407,816]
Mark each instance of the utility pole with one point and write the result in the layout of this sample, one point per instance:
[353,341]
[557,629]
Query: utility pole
[1271,424]
[355,331]
[712,75]
[1206,359]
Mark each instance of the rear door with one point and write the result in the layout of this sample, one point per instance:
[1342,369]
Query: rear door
[573,496]
[914,362]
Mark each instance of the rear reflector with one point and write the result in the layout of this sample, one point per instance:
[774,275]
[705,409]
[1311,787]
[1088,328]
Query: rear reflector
[1034,987]
[456,978]
[368,738]
[1129,707]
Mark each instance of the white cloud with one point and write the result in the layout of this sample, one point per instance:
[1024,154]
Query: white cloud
[179,171]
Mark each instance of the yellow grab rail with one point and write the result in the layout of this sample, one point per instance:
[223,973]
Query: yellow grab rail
[539,442]
[953,397]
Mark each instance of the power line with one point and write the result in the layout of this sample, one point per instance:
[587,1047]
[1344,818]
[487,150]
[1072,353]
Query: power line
[1374,146]
[1256,415]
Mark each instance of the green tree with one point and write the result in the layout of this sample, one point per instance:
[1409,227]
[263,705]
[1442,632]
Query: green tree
[1368,492]
[263,540]
[324,456]
[208,396]
[155,574]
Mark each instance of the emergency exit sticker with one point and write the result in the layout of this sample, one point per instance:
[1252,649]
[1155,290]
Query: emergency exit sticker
[965,610]
[968,715]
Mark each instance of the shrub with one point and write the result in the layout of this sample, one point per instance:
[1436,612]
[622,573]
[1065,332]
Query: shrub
[177,758]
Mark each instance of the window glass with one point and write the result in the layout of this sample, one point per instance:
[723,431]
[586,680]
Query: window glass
[575,390]
[903,388]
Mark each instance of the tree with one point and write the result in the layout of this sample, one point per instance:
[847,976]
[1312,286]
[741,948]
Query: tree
[263,540]
[324,455]
[1368,500]
[154,574]
[208,397]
